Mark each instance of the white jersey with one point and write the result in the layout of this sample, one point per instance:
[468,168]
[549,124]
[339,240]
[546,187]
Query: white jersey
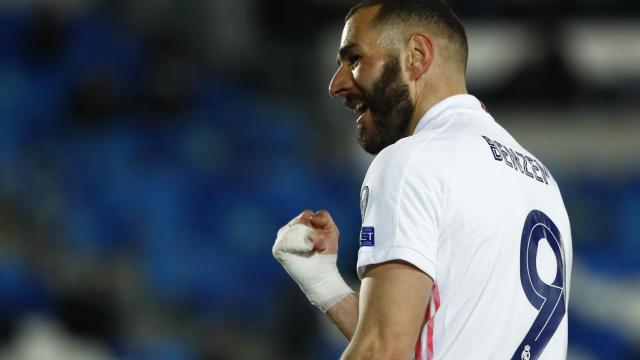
[462,201]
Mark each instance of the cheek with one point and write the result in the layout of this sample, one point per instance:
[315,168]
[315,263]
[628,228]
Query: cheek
[364,75]
[359,75]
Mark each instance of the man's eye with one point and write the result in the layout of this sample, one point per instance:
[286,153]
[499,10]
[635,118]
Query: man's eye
[354,60]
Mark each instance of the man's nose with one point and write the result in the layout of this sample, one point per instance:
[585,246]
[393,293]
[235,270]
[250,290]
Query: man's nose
[341,83]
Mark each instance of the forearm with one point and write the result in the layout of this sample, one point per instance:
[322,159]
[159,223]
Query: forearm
[344,315]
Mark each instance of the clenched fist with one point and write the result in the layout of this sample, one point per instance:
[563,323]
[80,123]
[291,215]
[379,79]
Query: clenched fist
[307,248]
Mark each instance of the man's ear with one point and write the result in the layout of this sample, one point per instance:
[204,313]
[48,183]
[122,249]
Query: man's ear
[421,51]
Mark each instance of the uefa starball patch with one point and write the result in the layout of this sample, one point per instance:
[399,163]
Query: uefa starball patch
[367,236]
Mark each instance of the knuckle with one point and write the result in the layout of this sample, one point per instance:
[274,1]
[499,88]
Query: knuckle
[275,251]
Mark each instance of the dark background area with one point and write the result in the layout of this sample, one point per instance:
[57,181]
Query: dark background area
[150,150]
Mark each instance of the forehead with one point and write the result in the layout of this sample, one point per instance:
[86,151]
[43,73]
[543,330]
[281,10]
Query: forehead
[360,29]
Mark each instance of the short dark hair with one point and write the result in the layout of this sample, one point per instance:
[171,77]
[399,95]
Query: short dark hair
[435,14]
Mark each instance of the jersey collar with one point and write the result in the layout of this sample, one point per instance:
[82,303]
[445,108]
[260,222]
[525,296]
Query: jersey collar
[461,101]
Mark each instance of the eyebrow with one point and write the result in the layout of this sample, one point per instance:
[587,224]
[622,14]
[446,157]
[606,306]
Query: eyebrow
[345,50]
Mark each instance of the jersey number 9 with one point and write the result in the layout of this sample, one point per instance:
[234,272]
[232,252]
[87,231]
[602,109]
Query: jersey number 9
[548,299]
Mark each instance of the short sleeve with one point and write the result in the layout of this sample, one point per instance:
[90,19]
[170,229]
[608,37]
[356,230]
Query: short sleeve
[403,200]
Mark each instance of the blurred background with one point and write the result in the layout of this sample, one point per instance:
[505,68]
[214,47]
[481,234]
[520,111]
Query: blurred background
[150,150]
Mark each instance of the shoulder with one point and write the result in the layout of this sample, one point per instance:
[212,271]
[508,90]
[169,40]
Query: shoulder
[403,156]
[411,160]
[432,144]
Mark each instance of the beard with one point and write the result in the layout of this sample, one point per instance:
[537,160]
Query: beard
[391,109]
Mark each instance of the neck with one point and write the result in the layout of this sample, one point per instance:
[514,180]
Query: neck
[429,95]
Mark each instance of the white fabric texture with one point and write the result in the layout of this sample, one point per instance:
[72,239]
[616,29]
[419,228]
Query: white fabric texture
[316,274]
[454,204]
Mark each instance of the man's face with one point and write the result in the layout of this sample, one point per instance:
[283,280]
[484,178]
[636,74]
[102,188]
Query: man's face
[370,79]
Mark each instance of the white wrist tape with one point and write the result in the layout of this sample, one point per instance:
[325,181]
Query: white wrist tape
[316,274]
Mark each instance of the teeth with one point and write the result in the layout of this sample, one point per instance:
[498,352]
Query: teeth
[358,108]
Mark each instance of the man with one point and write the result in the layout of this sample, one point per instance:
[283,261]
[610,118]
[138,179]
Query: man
[465,246]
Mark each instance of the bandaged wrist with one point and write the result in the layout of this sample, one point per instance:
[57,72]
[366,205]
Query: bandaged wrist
[316,274]
[329,288]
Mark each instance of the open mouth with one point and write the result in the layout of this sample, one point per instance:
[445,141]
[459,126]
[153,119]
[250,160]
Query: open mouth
[360,109]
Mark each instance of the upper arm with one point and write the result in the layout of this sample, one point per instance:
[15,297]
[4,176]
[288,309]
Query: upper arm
[406,207]
[393,302]
[407,202]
